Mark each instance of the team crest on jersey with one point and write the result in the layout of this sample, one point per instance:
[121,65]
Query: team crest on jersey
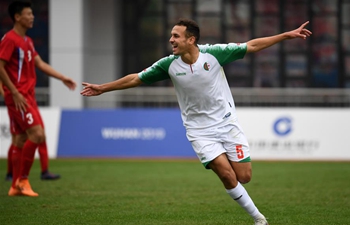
[206,66]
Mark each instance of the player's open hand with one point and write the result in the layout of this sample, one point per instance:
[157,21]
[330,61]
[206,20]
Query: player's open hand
[20,102]
[69,83]
[300,32]
[90,89]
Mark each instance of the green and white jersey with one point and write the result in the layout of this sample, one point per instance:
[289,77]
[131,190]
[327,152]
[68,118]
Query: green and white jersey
[202,90]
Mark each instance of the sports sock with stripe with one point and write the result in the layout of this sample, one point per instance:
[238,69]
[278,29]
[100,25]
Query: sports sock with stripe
[241,196]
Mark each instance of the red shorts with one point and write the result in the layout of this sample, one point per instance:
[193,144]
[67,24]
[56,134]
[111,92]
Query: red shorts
[21,121]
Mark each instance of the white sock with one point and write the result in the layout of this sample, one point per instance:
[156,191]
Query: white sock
[241,196]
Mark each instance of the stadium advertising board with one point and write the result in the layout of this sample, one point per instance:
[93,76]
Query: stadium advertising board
[273,133]
[297,133]
[123,133]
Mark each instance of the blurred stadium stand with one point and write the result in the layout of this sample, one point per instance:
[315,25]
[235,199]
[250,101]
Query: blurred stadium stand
[297,73]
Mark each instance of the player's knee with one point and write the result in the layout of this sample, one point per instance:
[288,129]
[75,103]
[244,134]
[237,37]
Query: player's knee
[19,140]
[244,177]
[37,137]
[228,179]
[36,134]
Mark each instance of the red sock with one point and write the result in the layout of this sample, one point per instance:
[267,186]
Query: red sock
[16,163]
[44,158]
[9,159]
[27,159]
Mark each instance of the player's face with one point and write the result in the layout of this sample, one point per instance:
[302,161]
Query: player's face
[178,40]
[26,18]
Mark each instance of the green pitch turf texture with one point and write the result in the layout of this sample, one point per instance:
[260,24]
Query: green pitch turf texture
[178,192]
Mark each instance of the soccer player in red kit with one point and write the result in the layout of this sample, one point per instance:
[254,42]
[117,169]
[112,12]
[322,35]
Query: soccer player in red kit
[43,156]
[18,60]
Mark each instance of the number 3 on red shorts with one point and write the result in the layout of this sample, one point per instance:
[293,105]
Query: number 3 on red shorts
[30,119]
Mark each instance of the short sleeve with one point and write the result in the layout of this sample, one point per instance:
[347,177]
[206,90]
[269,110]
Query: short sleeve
[225,53]
[157,72]
[7,47]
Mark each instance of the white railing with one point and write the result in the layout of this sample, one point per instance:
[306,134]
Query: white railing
[301,97]
[250,97]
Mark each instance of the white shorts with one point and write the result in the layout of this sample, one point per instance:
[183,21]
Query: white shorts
[229,139]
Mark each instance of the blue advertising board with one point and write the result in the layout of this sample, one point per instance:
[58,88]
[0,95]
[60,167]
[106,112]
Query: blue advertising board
[128,133]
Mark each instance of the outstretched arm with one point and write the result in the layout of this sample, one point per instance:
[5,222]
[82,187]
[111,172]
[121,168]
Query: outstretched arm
[129,81]
[47,69]
[258,44]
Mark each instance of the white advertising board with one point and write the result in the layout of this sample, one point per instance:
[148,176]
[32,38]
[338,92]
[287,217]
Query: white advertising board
[51,118]
[297,133]
[273,133]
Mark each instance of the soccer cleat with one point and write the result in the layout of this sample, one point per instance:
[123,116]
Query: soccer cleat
[14,192]
[8,177]
[261,221]
[24,186]
[49,176]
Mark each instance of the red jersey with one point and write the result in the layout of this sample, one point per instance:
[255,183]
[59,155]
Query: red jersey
[19,53]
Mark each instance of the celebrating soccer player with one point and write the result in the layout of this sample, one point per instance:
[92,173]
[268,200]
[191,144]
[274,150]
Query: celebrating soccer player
[206,103]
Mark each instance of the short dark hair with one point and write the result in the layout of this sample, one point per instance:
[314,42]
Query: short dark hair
[16,7]
[192,28]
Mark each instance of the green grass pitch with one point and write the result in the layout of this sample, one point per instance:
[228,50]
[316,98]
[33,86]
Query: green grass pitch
[177,192]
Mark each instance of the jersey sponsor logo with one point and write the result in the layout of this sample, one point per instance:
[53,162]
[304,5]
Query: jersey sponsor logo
[227,115]
[206,66]
[181,74]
